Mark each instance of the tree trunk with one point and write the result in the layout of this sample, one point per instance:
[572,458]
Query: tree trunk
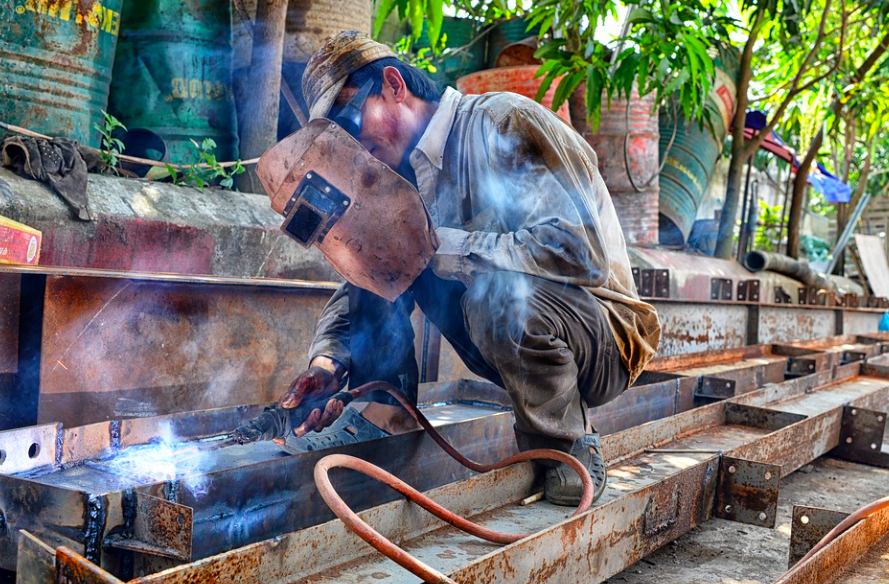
[725,241]
[800,183]
[260,131]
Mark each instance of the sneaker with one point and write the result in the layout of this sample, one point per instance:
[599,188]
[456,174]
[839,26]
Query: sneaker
[562,486]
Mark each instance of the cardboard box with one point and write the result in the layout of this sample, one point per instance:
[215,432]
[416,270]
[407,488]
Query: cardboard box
[19,244]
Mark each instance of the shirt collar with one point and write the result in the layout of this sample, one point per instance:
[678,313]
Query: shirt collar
[432,142]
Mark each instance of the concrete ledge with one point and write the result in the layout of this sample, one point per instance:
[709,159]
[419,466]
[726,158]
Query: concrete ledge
[155,227]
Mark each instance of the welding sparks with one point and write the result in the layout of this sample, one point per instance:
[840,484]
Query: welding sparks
[62,365]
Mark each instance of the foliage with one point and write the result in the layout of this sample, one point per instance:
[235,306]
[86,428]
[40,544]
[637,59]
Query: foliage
[112,148]
[667,50]
[769,231]
[415,11]
[201,176]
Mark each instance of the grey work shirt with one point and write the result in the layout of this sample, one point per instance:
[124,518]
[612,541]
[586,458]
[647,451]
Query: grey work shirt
[511,187]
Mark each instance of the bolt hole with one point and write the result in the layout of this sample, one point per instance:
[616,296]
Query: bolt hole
[2,456]
[804,519]
[873,446]
[849,440]
[768,476]
[732,469]
[34,450]
[762,516]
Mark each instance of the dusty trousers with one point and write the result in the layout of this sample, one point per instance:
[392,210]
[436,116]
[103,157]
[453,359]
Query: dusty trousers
[548,344]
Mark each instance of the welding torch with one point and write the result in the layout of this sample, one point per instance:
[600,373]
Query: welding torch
[279,422]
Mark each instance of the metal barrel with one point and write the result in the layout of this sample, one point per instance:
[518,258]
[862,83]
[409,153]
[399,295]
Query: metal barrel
[467,55]
[505,33]
[519,80]
[55,64]
[626,145]
[689,161]
[172,74]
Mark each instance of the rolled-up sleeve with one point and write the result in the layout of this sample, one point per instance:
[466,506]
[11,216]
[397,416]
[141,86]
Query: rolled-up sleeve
[535,183]
[332,332]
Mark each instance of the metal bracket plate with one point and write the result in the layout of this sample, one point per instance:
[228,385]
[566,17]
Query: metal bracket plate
[711,389]
[799,366]
[748,290]
[861,436]
[720,289]
[809,526]
[781,296]
[852,356]
[748,491]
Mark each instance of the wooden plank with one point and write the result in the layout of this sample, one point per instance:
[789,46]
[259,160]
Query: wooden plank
[873,259]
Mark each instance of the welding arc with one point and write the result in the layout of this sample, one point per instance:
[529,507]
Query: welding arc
[840,529]
[389,549]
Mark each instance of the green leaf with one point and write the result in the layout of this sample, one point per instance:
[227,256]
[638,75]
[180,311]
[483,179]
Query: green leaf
[566,88]
[434,18]
[384,10]
[545,85]
[415,14]
[639,15]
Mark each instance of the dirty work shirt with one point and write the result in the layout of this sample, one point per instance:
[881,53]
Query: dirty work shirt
[511,187]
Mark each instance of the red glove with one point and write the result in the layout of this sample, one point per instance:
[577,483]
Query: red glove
[315,382]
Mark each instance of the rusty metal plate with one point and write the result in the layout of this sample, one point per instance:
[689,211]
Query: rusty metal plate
[28,448]
[758,417]
[72,568]
[748,491]
[10,300]
[808,526]
[714,389]
[36,561]
[197,347]
[861,436]
[154,526]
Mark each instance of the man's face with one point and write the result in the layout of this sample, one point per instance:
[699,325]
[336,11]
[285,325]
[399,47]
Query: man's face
[385,119]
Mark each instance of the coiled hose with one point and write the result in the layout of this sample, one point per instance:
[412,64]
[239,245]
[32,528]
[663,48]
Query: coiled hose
[389,549]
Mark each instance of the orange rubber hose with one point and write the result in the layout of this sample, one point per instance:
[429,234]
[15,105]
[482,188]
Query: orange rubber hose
[389,549]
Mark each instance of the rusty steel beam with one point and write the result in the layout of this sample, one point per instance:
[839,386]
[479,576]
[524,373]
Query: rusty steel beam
[657,395]
[666,477]
[858,555]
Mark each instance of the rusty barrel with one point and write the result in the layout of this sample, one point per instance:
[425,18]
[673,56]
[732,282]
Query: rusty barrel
[626,143]
[505,33]
[172,74]
[689,151]
[515,79]
[56,58]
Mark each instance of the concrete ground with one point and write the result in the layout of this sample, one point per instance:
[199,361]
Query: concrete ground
[723,552]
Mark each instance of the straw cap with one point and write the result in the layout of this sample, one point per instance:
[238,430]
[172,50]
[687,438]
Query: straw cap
[330,67]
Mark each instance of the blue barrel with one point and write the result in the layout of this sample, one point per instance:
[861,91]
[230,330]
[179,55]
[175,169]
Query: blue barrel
[505,33]
[172,74]
[56,58]
[688,162]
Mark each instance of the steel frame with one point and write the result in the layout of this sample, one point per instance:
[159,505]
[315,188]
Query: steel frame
[668,476]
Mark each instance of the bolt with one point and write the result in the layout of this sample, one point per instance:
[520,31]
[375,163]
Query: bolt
[849,440]
[345,203]
[728,508]
[768,476]
[873,446]
[879,418]
[309,175]
[326,189]
[854,412]
[762,516]
[804,519]
[732,469]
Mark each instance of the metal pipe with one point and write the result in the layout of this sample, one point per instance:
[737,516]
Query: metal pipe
[758,261]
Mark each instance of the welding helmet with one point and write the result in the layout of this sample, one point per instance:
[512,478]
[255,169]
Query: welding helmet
[368,221]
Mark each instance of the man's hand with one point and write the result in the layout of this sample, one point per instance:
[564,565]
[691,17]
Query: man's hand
[321,379]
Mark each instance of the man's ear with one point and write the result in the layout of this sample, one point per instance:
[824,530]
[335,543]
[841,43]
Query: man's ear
[394,83]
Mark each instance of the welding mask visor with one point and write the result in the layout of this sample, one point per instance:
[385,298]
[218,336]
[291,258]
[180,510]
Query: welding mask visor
[368,221]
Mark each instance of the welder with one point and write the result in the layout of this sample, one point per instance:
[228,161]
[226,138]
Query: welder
[529,278]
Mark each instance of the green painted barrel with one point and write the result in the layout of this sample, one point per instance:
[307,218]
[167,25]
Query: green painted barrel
[464,56]
[55,64]
[505,33]
[688,162]
[172,74]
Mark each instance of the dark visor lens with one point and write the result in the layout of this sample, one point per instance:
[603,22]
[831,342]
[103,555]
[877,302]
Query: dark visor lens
[349,117]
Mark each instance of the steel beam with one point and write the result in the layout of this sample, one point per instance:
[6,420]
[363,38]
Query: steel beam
[665,479]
